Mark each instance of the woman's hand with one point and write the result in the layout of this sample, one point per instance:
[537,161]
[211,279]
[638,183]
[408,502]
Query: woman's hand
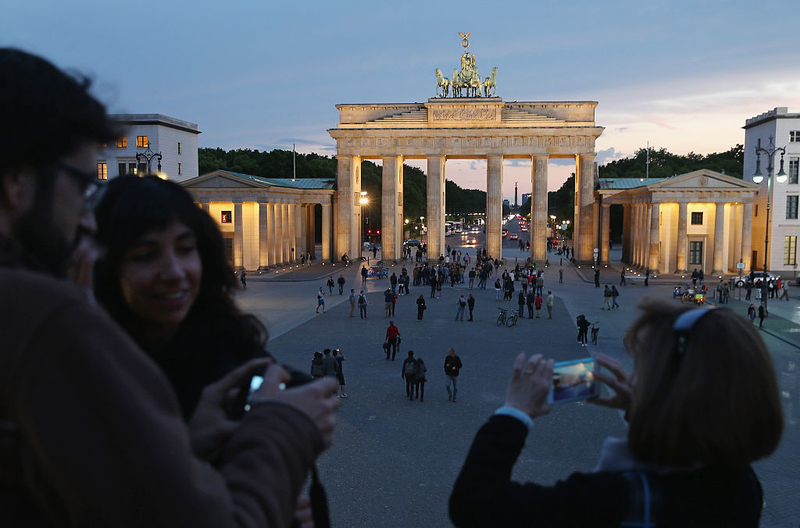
[530,383]
[620,382]
[209,426]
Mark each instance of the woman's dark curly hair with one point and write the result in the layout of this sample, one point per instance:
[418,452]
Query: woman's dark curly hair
[215,336]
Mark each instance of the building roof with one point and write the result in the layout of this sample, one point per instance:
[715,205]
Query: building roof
[156,119]
[619,184]
[298,183]
[780,112]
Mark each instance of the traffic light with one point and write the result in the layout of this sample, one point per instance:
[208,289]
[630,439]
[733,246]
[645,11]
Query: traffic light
[369,231]
[379,231]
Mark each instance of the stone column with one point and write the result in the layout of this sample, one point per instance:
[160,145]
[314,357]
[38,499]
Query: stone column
[392,207]
[348,226]
[238,236]
[654,251]
[747,236]
[263,238]
[326,232]
[494,207]
[605,225]
[311,229]
[436,202]
[682,239]
[286,240]
[538,231]
[300,220]
[635,234]
[719,240]
[585,233]
[271,237]
[626,230]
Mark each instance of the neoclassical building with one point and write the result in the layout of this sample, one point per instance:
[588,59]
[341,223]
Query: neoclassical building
[699,220]
[266,222]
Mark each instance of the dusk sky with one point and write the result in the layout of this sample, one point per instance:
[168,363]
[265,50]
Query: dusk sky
[683,75]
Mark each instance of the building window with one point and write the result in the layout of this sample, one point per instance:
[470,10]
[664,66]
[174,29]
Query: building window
[180,168]
[794,165]
[122,168]
[141,141]
[791,207]
[179,147]
[697,218]
[122,142]
[794,136]
[790,250]
[131,168]
[225,217]
[696,253]
[102,171]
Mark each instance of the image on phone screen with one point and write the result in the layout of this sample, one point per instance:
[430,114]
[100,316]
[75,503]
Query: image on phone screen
[574,381]
[255,383]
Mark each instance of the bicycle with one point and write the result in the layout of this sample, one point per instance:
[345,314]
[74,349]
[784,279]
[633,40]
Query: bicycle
[595,331]
[509,319]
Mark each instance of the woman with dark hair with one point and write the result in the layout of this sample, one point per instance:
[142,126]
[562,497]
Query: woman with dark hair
[183,315]
[702,405]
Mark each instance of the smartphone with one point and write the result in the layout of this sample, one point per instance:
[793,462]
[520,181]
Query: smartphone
[574,381]
[244,399]
[255,383]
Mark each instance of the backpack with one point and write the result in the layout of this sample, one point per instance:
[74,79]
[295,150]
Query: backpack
[361,300]
[410,368]
[462,303]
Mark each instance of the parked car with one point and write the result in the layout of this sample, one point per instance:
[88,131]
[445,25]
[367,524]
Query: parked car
[412,242]
[505,232]
[513,236]
[758,277]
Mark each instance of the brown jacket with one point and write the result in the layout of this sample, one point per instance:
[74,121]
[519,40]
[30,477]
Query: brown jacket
[91,433]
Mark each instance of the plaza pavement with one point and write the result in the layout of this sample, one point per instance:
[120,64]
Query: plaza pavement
[394,461]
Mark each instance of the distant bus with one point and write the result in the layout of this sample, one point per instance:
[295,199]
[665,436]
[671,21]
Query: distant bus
[458,227]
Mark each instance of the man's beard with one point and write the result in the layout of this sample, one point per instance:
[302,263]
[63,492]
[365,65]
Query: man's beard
[42,242]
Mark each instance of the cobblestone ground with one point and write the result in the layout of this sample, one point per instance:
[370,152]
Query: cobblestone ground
[394,460]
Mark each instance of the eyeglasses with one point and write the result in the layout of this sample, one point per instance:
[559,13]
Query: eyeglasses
[93,191]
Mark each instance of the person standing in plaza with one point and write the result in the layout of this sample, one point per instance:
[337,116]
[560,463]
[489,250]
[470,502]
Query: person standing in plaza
[606,298]
[521,302]
[352,300]
[338,355]
[751,313]
[470,305]
[330,285]
[421,307]
[461,306]
[530,300]
[540,283]
[393,282]
[538,304]
[408,371]
[420,378]
[243,278]
[583,330]
[452,366]
[647,277]
[762,314]
[432,282]
[550,302]
[320,300]
[497,289]
[471,278]
[597,277]
[388,301]
[622,281]
[329,364]
[341,282]
[364,274]
[614,295]
[560,276]
[362,305]
[695,276]
[393,339]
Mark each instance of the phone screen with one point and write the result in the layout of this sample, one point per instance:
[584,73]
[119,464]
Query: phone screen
[574,381]
[255,383]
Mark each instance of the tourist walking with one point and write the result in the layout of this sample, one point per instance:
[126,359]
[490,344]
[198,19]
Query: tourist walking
[421,307]
[614,295]
[606,298]
[762,313]
[550,302]
[461,306]
[362,305]
[597,278]
[583,330]
[408,372]
[320,300]
[352,300]
[751,313]
[420,379]
[364,274]
[330,285]
[338,355]
[392,339]
[452,366]
[622,281]
[341,282]
[388,300]
[784,292]
[470,305]
[243,278]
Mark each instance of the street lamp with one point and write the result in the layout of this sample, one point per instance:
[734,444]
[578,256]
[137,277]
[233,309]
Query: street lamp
[144,159]
[364,202]
[770,152]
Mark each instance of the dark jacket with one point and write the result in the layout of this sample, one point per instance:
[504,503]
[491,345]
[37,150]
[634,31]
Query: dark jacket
[452,365]
[96,435]
[484,495]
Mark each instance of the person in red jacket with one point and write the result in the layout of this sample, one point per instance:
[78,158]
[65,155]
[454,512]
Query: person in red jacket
[392,339]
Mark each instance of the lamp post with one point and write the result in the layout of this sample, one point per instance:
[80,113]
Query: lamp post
[144,159]
[364,202]
[770,152]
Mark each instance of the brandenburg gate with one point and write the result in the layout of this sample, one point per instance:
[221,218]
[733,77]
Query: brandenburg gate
[462,124]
